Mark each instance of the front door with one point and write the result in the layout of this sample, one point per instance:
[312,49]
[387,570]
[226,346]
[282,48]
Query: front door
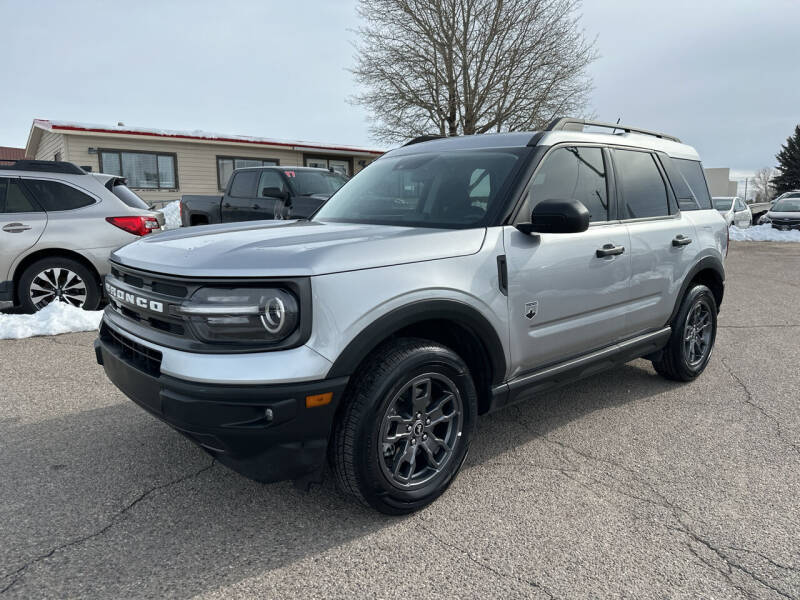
[741,214]
[22,223]
[564,299]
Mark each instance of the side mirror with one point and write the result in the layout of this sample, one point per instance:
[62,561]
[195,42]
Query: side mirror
[273,192]
[557,216]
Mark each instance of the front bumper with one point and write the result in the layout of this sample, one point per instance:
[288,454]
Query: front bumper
[264,432]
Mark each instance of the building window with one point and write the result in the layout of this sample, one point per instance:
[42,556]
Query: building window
[226,165]
[336,165]
[143,170]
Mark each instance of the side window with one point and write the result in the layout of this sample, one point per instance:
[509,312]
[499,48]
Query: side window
[739,205]
[13,198]
[644,193]
[244,184]
[270,179]
[692,172]
[54,196]
[571,173]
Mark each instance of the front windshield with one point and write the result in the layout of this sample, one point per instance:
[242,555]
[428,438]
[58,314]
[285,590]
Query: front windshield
[723,204]
[454,189]
[787,205]
[307,183]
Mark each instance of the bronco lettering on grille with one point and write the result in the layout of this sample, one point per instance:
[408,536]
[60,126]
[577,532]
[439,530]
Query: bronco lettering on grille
[133,299]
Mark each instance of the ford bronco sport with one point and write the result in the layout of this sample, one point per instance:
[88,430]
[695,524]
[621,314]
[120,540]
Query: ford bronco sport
[450,278]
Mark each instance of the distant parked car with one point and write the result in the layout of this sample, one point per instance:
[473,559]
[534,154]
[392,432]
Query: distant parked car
[785,213]
[58,225]
[256,193]
[735,211]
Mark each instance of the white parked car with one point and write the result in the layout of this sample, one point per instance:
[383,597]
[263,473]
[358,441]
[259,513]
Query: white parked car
[735,211]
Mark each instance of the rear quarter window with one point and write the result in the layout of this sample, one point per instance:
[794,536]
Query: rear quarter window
[55,196]
[693,178]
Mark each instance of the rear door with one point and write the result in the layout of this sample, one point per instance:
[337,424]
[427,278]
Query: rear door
[663,241]
[22,223]
[565,300]
[240,201]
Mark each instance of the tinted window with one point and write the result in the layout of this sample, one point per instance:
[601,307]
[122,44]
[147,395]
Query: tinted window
[13,199]
[739,204]
[226,165]
[431,189]
[571,173]
[54,196]
[643,191]
[307,183]
[692,172]
[244,184]
[128,196]
[271,179]
[723,204]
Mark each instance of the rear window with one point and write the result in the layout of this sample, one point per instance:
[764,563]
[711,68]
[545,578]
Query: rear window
[695,179]
[55,196]
[128,196]
[244,184]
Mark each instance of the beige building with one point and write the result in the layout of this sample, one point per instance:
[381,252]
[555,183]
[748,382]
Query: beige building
[720,184]
[162,165]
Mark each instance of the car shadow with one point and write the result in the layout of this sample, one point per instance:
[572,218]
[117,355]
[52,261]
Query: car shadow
[144,507]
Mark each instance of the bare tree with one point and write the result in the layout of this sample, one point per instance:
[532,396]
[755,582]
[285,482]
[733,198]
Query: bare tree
[763,186]
[470,66]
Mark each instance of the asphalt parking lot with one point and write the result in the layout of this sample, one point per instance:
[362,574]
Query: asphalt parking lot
[623,485]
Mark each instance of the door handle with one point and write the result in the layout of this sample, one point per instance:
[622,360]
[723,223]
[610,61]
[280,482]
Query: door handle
[256,206]
[610,250]
[16,227]
[681,240]
[226,205]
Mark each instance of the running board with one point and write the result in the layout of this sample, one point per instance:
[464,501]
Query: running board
[527,386]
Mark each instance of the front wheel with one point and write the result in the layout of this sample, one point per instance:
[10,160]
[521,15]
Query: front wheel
[406,426]
[694,331]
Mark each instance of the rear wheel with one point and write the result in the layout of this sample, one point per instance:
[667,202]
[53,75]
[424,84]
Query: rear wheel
[406,426]
[694,331]
[58,279]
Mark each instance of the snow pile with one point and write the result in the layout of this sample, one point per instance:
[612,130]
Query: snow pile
[763,233]
[172,215]
[55,318]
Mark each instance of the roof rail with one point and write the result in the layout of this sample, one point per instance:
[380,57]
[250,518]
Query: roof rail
[43,166]
[570,124]
[424,138]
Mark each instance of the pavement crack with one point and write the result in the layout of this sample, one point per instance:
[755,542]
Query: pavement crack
[750,400]
[482,564]
[16,575]
[729,562]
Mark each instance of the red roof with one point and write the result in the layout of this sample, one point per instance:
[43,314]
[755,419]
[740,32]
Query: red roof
[8,153]
[52,125]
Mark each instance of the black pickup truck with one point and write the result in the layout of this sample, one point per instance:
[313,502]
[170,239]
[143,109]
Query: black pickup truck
[256,193]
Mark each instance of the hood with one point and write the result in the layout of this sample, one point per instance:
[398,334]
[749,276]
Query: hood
[292,248]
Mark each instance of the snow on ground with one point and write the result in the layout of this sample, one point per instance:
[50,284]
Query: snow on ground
[763,233]
[172,215]
[55,318]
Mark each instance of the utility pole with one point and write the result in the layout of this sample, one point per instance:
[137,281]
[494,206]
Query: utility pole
[746,179]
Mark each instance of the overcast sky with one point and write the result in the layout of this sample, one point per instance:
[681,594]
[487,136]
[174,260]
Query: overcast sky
[723,75]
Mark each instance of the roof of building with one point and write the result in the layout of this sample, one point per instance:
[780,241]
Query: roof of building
[194,135]
[9,153]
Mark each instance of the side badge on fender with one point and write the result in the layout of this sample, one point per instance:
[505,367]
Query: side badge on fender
[531,308]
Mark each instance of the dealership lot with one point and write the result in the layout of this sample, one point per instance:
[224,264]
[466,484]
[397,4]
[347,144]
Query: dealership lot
[620,485]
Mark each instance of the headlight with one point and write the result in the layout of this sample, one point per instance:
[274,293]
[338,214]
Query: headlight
[242,315]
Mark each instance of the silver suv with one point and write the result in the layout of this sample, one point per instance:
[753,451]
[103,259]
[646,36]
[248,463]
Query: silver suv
[450,278]
[58,226]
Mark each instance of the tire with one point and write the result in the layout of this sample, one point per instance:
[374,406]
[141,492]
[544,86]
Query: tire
[414,468]
[689,348]
[67,279]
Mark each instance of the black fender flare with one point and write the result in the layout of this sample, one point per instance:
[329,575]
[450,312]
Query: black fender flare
[706,263]
[460,313]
